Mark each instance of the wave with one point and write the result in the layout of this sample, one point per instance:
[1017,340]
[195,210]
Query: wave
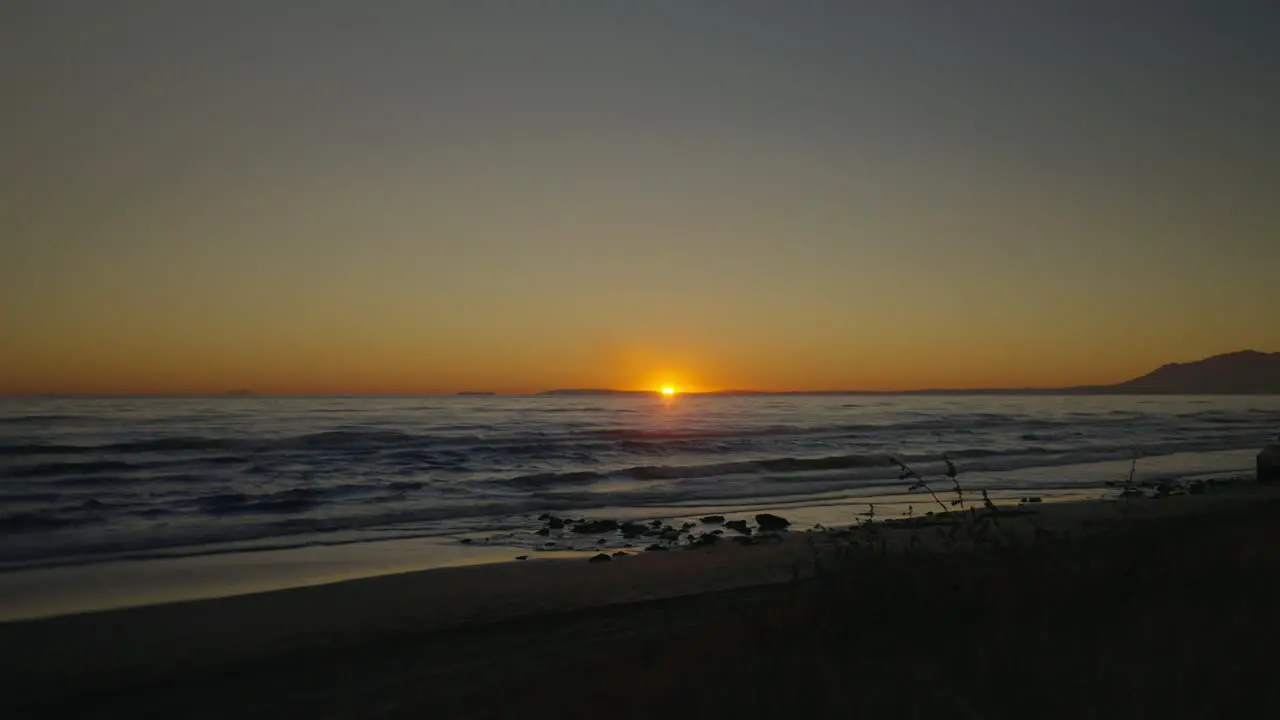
[104,472]
[686,472]
[554,478]
[478,438]
[99,481]
[979,460]
[29,497]
[355,439]
[331,439]
[296,500]
[37,521]
[785,464]
[37,419]
[287,501]
[69,468]
[141,446]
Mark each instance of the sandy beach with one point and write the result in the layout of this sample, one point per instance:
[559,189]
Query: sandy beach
[110,659]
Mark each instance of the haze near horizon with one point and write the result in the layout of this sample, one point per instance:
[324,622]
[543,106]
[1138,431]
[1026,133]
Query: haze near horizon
[343,197]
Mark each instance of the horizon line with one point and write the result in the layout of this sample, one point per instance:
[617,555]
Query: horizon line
[1121,387]
[1099,390]
[569,391]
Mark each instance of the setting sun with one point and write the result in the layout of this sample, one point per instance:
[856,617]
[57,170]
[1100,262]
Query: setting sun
[668,391]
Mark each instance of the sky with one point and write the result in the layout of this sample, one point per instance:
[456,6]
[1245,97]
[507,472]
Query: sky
[419,197]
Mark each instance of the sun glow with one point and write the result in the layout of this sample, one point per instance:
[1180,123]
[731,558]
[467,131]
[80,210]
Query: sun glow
[668,391]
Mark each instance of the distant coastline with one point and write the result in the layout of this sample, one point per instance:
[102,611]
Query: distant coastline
[593,392]
[1247,372]
[1102,390]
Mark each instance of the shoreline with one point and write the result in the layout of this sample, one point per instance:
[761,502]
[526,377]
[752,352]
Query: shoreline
[190,636]
[48,592]
[45,592]
[89,584]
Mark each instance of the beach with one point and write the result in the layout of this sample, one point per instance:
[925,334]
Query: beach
[450,637]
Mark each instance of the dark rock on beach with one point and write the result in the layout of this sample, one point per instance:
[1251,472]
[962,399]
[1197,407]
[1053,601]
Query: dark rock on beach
[590,527]
[772,522]
[656,548]
[555,523]
[631,530]
[704,540]
[713,520]
[1269,463]
[602,557]
[738,525]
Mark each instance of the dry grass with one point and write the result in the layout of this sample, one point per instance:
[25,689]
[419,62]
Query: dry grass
[1174,620]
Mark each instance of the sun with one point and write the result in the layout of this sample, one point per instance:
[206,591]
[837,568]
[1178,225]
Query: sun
[668,391]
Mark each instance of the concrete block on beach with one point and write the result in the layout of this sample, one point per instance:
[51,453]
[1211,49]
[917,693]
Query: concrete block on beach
[1269,463]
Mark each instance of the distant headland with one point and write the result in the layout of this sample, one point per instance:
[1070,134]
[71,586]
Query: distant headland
[1247,372]
[599,391]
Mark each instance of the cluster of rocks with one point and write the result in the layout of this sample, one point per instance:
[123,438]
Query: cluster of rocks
[766,530]
[1169,488]
[606,557]
[661,536]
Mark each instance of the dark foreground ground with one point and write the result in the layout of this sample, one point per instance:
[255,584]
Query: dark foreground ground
[1170,618]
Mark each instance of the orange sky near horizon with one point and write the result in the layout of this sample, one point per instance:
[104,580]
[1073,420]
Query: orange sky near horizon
[420,369]
[443,197]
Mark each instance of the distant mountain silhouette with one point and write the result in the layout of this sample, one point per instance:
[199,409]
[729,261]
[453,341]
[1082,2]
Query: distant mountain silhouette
[598,391]
[1247,372]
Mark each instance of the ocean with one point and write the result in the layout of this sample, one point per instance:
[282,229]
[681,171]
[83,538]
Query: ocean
[92,480]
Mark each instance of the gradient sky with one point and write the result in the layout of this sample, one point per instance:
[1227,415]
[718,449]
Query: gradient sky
[399,196]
